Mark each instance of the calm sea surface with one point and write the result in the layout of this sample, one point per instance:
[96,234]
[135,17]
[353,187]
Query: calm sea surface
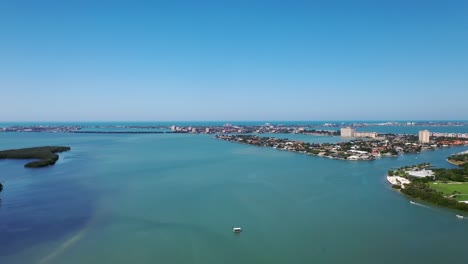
[174,198]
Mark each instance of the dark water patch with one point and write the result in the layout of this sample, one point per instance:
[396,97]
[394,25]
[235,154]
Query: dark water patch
[41,214]
[138,224]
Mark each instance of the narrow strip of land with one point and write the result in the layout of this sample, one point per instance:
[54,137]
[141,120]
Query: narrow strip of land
[357,149]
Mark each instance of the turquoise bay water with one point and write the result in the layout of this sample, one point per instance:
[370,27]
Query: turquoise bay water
[175,198]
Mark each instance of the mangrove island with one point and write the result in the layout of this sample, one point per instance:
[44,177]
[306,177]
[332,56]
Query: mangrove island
[46,155]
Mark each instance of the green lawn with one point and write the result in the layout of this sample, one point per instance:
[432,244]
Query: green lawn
[448,188]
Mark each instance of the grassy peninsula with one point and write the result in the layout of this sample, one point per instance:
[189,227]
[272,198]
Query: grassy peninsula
[443,187]
[459,159]
[46,155]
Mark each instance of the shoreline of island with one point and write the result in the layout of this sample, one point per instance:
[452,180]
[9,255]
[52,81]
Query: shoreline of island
[454,162]
[353,150]
[45,156]
[458,159]
[439,186]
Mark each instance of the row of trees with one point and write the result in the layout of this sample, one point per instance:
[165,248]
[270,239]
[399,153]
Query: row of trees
[459,157]
[460,175]
[421,190]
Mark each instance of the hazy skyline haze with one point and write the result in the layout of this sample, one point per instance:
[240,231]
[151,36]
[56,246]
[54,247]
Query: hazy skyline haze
[233,60]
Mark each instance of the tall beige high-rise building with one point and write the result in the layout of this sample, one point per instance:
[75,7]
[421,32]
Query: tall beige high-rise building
[424,136]
[347,132]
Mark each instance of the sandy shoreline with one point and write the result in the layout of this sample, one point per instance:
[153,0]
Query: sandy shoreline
[397,180]
[455,162]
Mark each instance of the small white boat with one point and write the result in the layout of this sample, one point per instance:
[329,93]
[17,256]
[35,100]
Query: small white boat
[237,230]
[460,216]
[411,202]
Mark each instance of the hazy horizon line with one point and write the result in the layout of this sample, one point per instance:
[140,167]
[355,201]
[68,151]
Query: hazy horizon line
[234,120]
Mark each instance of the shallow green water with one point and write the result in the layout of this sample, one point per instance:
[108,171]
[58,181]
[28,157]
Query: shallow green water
[175,198]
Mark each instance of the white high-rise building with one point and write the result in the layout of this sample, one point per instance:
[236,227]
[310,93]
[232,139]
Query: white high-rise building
[424,136]
[347,132]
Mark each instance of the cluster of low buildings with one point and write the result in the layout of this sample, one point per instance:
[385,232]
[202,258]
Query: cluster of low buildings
[263,129]
[424,136]
[400,177]
[40,128]
[357,149]
[450,135]
[225,129]
[353,150]
[443,139]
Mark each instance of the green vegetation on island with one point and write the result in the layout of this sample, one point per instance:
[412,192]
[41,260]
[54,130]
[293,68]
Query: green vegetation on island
[425,192]
[46,155]
[458,159]
[443,187]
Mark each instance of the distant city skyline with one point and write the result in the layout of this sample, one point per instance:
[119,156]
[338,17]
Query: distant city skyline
[233,60]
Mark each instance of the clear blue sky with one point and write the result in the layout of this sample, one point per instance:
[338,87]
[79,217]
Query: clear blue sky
[233,60]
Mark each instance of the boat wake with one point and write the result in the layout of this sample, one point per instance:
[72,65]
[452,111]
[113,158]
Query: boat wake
[418,204]
[460,217]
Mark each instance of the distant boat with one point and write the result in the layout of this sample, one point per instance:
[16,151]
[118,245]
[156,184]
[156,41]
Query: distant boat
[237,230]
[460,216]
[411,202]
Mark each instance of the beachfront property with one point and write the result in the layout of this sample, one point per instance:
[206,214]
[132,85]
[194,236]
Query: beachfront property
[397,180]
[424,136]
[402,176]
[418,171]
[421,173]
[356,149]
